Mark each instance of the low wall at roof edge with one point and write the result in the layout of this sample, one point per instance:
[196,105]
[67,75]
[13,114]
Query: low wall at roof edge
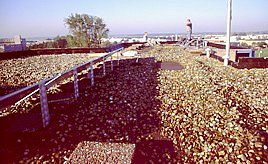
[239,60]
[249,63]
[245,62]
[222,46]
[48,51]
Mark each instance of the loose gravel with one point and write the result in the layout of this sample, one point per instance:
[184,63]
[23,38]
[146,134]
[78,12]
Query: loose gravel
[202,113]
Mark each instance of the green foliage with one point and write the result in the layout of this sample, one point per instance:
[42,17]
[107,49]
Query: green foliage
[244,44]
[60,42]
[50,45]
[261,53]
[57,42]
[258,44]
[86,30]
[106,43]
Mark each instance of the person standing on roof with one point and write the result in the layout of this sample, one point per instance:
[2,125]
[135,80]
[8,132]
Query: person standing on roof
[145,37]
[189,28]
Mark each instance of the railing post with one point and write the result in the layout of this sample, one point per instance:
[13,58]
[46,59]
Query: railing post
[205,43]
[76,91]
[44,104]
[112,65]
[208,52]
[91,74]
[103,65]
[118,59]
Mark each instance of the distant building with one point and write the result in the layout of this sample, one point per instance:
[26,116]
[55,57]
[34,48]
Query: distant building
[13,44]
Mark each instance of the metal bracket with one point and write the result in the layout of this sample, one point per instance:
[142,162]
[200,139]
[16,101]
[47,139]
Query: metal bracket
[76,90]
[104,67]
[91,74]
[118,59]
[44,104]
[112,65]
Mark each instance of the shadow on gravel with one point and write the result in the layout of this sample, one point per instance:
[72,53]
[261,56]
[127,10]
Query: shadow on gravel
[6,89]
[122,107]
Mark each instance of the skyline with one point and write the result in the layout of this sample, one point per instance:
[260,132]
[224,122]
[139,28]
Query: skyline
[46,17]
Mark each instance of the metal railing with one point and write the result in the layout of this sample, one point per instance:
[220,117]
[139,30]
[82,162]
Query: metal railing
[194,42]
[42,87]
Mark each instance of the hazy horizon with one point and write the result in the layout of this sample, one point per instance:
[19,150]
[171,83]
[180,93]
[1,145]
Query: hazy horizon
[45,18]
[32,38]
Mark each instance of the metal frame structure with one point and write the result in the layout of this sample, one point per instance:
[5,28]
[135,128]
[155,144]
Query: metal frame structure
[24,93]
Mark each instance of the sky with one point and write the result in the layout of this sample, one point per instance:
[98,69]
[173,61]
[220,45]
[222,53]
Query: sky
[36,18]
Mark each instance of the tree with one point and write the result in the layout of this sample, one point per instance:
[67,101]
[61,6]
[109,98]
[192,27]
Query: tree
[259,44]
[86,30]
[262,44]
[244,44]
[106,43]
[60,42]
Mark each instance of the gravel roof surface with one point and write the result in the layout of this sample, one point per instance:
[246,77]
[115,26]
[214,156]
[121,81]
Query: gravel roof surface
[203,113]
[21,72]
